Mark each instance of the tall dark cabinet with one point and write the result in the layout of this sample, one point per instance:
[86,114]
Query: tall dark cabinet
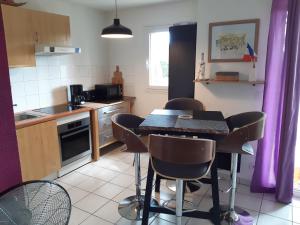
[182,57]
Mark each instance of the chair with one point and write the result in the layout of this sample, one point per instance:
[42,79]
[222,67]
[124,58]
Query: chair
[123,126]
[180,104]
[182,159]
[184,104]
[244,127]
[35,202]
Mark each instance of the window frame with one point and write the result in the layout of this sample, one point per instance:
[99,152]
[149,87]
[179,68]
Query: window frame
[154,29]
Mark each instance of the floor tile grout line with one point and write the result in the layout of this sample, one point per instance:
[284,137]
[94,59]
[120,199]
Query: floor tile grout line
[259,212]
[93,212]
[101,217]
[200,197]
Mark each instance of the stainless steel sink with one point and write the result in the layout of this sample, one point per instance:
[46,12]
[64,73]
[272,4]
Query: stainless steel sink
[25,116]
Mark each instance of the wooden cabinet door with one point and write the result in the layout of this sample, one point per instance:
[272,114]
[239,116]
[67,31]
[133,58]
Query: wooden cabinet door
[39,150]
[50,29]
[60,28]
[18,35]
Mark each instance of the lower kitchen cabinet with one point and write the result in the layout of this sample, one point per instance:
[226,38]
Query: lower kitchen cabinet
[104,117]
[39,150]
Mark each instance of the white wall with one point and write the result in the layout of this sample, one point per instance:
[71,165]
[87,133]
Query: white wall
[45,84]
[131,55]
[233,98]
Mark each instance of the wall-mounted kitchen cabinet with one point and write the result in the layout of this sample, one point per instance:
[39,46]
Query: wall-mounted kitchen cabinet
[24,29]
[18,36]
[50,29]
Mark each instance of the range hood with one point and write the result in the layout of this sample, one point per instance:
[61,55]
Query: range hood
[55,50]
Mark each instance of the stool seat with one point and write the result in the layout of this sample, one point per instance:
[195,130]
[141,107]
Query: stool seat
[182,159]
[180,104]
[124,125]
[245,127]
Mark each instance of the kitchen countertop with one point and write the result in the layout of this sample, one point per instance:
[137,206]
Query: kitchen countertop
[88,106]
[97,105]
[47,117]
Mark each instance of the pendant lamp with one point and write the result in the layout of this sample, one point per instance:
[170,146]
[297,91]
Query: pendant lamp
[116,30]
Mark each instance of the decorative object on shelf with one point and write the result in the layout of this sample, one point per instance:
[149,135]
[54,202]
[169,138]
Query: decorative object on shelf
[116,30]
[227,76]
[228,40]
[118,79]
[252,73]
[251,57]
[201,73]
[12,3]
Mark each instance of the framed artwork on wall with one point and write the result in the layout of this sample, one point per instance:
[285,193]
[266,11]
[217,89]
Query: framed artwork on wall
[230,41]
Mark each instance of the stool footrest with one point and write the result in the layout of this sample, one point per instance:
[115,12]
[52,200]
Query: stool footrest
[196,213]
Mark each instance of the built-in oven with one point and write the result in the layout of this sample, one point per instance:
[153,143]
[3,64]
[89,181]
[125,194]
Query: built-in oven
[75,140]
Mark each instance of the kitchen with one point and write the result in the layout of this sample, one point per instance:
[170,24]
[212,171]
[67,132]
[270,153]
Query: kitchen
[41,85]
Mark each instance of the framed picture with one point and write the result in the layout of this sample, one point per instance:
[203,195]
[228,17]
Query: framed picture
[230,41]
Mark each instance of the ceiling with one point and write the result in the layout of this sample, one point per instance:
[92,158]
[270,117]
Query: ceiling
[108,5]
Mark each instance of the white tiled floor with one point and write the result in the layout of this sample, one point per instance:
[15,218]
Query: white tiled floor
[96,189]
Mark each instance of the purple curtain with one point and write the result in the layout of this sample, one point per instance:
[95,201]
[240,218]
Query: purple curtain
[10,173]
[274,166]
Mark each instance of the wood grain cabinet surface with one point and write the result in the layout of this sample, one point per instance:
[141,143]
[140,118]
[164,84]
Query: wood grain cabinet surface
[39,150]
[50,29]
[18,36]
[25,28]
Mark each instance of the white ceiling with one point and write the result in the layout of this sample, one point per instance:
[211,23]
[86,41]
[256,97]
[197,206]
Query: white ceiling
[108,5]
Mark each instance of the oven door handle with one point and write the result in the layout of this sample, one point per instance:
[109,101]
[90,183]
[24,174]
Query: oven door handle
[111,111]
[76,132]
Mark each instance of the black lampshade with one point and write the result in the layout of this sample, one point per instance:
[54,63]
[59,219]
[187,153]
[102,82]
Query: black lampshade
[116,31]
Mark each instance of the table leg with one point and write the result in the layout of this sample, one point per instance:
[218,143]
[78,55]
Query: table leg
[147,202]
[215,194]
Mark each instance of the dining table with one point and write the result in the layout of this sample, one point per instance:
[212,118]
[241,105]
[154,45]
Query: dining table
[185,122]
[197,124]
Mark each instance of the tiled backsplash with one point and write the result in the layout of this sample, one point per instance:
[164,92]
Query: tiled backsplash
[46,84]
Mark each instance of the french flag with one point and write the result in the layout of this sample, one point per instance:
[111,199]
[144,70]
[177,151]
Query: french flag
[251,56]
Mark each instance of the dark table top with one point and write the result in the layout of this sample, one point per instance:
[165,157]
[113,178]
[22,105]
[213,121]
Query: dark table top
[201,123]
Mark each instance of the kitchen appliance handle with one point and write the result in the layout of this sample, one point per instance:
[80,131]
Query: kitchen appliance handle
[108,136]
[76,132]
[108,112]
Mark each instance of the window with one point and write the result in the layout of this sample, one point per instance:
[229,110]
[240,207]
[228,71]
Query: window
[159,59]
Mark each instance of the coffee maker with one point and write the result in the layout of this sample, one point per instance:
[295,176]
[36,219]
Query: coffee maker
[75,94]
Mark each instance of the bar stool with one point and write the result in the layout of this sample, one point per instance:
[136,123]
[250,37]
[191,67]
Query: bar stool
[182,159]
[244,127]
[180,104]
[184,104]
[123,126]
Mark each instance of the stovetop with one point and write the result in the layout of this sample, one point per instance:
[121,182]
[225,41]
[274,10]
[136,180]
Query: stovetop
[57,109]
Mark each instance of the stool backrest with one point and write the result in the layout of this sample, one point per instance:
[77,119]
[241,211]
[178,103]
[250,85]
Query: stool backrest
[245,127]
[184,104]
[175,157]
[123,125]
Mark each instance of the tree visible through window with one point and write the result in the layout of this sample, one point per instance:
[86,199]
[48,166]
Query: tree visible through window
[159,59]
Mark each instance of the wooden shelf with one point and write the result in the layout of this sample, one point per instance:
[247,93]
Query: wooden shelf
[209,81]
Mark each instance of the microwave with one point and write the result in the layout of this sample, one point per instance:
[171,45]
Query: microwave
[108,91]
